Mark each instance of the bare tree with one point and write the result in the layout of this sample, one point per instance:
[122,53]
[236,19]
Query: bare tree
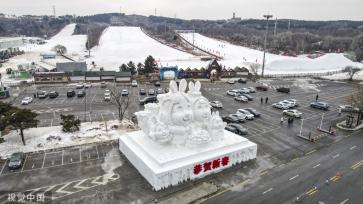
[255,68]
[356,100]
[121,102]
[351,71]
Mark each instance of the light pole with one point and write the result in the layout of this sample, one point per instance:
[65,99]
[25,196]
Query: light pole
[264,44]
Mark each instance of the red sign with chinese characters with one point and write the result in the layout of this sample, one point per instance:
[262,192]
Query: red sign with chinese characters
[211,165]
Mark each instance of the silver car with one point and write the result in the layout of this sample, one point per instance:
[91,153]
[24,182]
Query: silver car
[16,160]
[249,116]
[216,104]
[293,113]
[241,98]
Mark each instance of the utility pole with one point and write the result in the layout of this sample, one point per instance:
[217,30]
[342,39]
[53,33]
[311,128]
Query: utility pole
[302,122]
[54,14]
[155,11]
[193,36]
[288,27]
[275,27]
[264,44]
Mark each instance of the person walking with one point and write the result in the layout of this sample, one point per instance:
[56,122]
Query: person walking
[266,100]
[282,120]
[316,97]
[339,111]
[261,100]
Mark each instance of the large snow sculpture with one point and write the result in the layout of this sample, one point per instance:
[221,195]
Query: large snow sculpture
[180,139]
[181,118]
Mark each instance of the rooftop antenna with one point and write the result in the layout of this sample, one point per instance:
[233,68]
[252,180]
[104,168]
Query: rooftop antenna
[54,14]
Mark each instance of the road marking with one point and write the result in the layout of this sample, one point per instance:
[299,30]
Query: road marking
[22,168]
[267,191]
[98,156]
[2,169]
[294,177]
[297,158]
[63,187]
[263,173]
[33,166]
[344,201]
[44,159]
[335,178]
[335,156]
[71,160]
[62,156]
[312,151]
[80,155]
[357,165]
[353,147]
[316,166]
[311,190]
[78,185]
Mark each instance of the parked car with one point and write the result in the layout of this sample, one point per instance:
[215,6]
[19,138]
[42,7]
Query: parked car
[348,108]
[216,104]
[134,83]
[287,103]
[283,90]
[107,96]
[151,92]
[232,92]
[79,86]
[243,91]
[242,80]
[294,101]
[280,106]
[159,91]
[71,93]
[81,94]
[249,116]
[231,81]
[53,94]
[148,99]
[241,98]
[252,90]
[124,92]
[16,160]
[236,128]
[292,113]
[230,119]
[26,100]
[320,105]
[241,118]
[103,84]
[262,88]
[157,83]
[254,112]
[87,85]
[42,94]
[249,97]
[142,92]
[166,90]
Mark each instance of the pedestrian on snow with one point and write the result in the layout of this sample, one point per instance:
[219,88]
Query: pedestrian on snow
[34,95]
[261,100]
[339,111]
[266,100]
[316,97]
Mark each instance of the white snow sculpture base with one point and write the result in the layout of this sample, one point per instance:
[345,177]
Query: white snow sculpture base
[168,165]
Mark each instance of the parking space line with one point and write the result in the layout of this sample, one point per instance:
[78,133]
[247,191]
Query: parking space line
[98,156]
[44,159]
[22,168]
[62,156]
[2,169]
[80,155]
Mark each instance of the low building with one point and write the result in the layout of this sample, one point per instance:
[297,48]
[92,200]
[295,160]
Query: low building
[93,76]
[71,67]
[123,77]
[169,73]
[50,77]
[48,55]
[108,75]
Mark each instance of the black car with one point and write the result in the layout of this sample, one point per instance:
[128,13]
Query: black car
[81,94]
[42,94]
[236,128]
[253,112]
[242,80]
[71,93]
[159,91]
[53,94]
[142,91]
[230,119]
[16,160]
[157,83]
[320,105]
[148,99]
[262,88]
[283,90]
[166,90]
[249,97]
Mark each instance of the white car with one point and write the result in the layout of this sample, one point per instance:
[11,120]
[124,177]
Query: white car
[107,96]
[252,90]
[249,116]
[293,113]
[134,83]
[216,104]
[293,101]
[232,92]
[241,98]
[287,103]
[280,106]
[124,92]
[26,100]
[79,86]
[87,85]
[244,91]
[348,108]
[231,81]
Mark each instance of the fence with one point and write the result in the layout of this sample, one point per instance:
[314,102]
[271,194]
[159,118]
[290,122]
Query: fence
[296,75]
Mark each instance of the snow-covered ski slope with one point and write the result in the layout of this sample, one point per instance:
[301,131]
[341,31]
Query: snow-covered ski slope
[75,44]
[275,64]
[120,45]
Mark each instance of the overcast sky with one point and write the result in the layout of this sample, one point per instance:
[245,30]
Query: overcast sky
[195,9]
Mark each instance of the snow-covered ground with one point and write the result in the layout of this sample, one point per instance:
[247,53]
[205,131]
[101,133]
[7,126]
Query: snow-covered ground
[120,45]
[52,137]
[275,64]
[344,76]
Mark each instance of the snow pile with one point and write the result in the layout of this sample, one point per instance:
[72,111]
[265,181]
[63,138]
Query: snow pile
[119,45]
[345,76]
[306,84]
[52,137]
[73,43]
[275,64]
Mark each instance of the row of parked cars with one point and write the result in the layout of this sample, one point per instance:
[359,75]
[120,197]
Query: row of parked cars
[241,115]
[242,95]
[52,95]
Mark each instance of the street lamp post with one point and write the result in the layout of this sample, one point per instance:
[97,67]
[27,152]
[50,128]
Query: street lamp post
[264,44]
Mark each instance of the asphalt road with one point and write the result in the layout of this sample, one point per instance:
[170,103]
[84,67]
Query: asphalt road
[341,164]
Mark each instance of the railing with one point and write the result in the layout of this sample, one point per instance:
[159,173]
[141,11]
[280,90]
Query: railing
[296,75]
